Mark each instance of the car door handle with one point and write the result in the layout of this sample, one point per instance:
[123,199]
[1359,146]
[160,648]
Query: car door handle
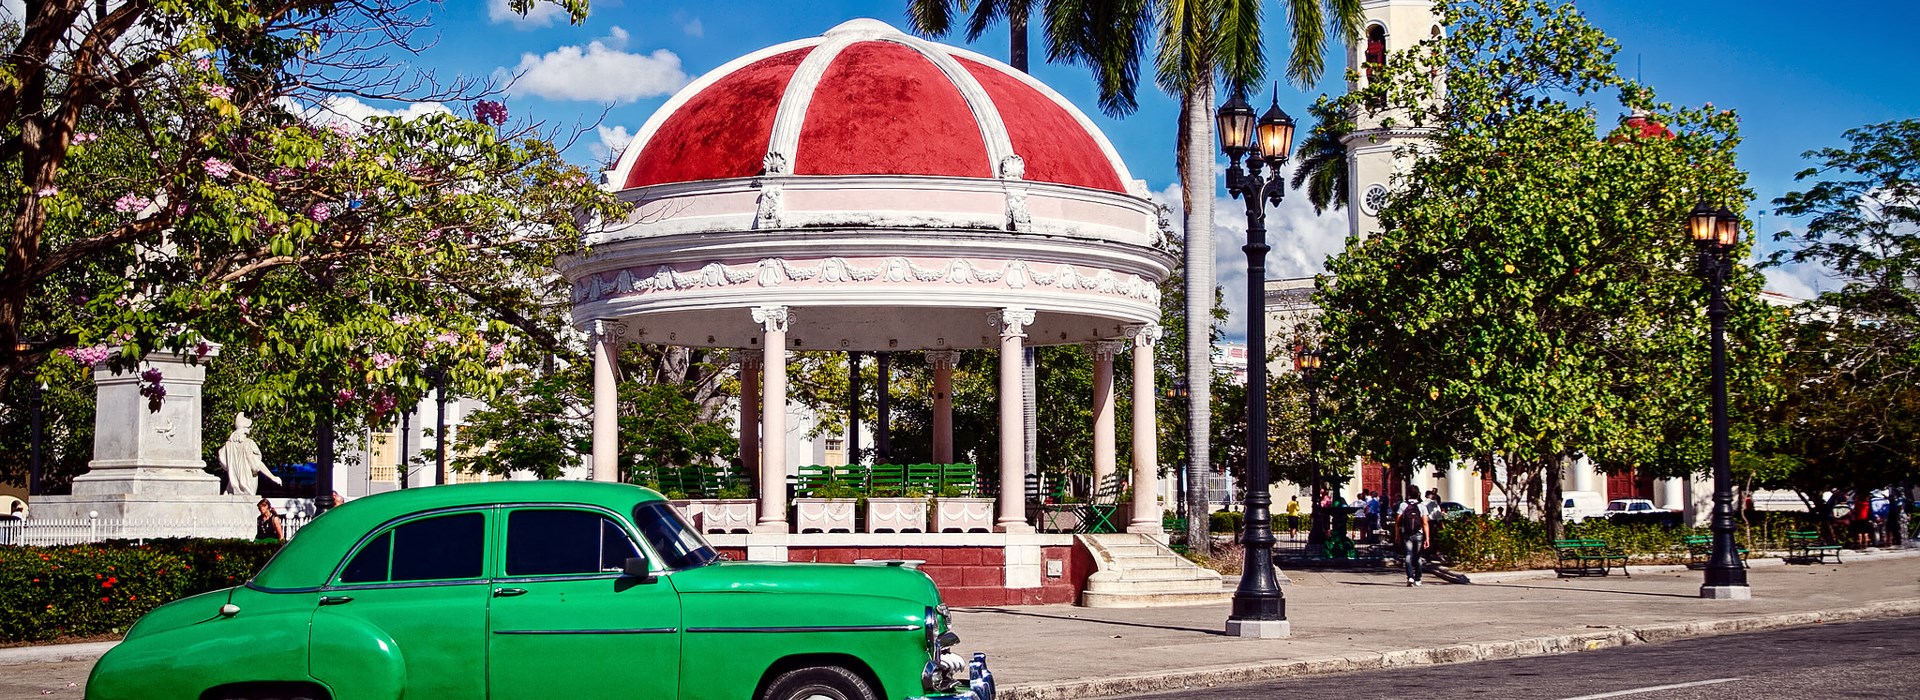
[508,592]
[335,599]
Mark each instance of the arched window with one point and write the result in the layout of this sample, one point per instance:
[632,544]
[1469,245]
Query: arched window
[1376,48]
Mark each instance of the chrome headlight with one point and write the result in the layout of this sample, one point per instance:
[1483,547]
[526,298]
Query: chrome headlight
[939,675]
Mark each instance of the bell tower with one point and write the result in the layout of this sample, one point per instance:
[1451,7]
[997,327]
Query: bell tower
[1381,145]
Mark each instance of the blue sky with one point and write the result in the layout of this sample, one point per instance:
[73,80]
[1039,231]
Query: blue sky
[1799,76]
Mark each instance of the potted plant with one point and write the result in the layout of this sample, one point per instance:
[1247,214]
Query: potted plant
[896,509]
[957,509]
[732,511]
[830,507]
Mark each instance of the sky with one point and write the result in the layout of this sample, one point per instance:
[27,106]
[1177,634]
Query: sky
[1798,76]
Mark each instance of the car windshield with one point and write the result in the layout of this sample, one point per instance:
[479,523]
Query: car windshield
[679,546]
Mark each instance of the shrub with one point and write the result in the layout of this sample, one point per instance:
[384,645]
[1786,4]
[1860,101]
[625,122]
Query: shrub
[78,591]
[1475,543]
[1224,521]
[99,589]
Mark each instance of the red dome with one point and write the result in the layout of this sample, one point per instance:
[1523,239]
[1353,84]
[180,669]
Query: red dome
[865,99]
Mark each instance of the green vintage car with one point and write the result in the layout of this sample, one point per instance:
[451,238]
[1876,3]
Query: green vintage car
[555,589]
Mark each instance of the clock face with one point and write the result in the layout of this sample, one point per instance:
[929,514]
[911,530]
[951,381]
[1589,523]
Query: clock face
[1375,198]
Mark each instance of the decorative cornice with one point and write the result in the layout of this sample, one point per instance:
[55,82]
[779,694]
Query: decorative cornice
[609,329]
[1104,350]
[774,272]
[1012,322]
[772,319]
[1144,335]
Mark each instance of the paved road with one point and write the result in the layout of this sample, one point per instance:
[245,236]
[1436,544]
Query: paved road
[45,680]
[1874,659]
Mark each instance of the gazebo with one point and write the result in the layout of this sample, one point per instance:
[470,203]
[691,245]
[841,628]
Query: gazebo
[866,190]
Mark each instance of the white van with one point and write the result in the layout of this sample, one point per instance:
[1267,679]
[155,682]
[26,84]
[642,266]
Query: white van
[1581,505]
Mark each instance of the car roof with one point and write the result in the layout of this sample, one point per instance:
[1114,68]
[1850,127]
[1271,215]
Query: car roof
[307,559]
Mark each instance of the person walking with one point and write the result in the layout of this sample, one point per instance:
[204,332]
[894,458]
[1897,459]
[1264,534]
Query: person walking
[1411,522]
[1293,516]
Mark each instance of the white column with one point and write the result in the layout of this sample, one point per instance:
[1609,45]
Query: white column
[749,410]
[943,362]
[1012,323]
[1461,480]
[1105,457]
[606,400]
[1584,476]
[1146,434]
[773,418]
[1673,494]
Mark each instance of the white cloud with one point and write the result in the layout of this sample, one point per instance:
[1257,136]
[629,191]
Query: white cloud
[344,109]
[693,27]
[599,72]
[1301,241]
[613,142]
[542,14]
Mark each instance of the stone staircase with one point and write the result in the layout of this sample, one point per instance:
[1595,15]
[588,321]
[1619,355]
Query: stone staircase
[1137,571]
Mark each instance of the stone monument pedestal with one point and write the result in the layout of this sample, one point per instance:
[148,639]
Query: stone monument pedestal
[147,479]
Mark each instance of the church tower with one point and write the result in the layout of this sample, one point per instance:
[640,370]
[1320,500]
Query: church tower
[1377,150]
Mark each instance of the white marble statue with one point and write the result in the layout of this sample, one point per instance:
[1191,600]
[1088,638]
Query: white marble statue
[241,457]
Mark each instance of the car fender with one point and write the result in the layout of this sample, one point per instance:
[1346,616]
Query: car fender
[356,660]
[186,661]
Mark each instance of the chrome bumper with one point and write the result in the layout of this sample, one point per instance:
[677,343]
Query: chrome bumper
[979,683]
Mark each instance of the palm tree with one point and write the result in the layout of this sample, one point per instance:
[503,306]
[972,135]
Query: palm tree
[1201,43]
[934,19]
[1322,167]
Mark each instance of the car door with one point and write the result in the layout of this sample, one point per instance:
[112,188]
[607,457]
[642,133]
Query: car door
[565,623]
[408,607]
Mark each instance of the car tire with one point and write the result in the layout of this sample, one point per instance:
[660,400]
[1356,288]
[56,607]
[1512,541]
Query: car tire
[818,683]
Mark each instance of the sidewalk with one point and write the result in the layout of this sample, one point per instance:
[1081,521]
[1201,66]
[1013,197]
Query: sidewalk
[1342,621]
[1361,620]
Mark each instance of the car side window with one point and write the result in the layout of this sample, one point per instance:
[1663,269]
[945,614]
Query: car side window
[439,548]
[552,542]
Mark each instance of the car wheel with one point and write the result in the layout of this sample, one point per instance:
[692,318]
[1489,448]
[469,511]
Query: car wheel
[818,683]
[266,691]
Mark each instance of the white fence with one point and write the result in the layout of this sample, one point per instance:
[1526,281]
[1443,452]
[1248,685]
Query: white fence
[51,532]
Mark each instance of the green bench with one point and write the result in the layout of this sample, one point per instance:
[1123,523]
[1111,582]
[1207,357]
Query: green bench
[1585,557]
[1700,549]
[1808,545]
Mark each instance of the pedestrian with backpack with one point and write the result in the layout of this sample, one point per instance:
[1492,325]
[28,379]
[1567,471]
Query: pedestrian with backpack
[1411,523]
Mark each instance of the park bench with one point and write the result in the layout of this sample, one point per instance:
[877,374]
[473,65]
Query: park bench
[1583,557]
[1700,549]
[1808,545]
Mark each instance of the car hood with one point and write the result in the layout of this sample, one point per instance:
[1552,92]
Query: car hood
[861,580]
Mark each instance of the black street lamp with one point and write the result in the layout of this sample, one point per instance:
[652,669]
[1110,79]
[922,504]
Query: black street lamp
[1259,609]
[1716,232]
[1307,364]
[1177,395]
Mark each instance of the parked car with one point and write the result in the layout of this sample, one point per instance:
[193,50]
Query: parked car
[1621,506]
[1581,505]
[1454,509]
[536,590]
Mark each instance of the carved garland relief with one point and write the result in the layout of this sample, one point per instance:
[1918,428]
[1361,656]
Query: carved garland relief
[773,272]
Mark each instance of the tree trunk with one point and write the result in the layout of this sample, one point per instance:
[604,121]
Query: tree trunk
[1017,36]
[1196,187]
[1551,478]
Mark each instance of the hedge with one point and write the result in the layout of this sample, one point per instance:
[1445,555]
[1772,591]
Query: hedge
[85,590]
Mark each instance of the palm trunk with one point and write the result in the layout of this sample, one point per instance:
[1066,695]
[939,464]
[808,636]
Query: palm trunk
[1196,187]
[1017,36]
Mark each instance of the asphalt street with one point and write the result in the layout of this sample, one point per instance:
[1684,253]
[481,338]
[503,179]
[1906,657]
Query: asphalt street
[1873,659]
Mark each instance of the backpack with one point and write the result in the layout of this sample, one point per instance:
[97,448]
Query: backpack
[1409,522]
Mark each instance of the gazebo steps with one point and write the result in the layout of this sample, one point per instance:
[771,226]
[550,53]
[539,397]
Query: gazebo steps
[1135,571]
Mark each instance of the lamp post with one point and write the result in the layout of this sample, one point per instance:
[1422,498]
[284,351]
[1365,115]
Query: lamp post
[1177,395]
[1716,232]
[1307,363]
[1259,609]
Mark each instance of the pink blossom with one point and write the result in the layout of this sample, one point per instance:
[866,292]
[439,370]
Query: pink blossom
[341,129]
[383,360]
[319,212]
[281,173]
[490,112]
[496,351]
[448,338]
[87,356]
[345,397]
[203,64]
[220,91]
[202,348]
[129,203]
[48,191]
[383,403]
[217,168]
[86,137]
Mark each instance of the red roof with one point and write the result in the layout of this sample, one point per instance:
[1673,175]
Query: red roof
[883,104]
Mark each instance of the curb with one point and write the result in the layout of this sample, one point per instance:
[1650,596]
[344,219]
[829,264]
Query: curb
[54,654]
[1457,653]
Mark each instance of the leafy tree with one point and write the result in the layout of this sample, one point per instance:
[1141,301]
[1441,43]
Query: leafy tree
[1853,408]
[1532,292]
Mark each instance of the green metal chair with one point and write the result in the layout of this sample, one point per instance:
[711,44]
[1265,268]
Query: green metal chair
[1097,517]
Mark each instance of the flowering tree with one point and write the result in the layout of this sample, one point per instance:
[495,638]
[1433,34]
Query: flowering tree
[180,181]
